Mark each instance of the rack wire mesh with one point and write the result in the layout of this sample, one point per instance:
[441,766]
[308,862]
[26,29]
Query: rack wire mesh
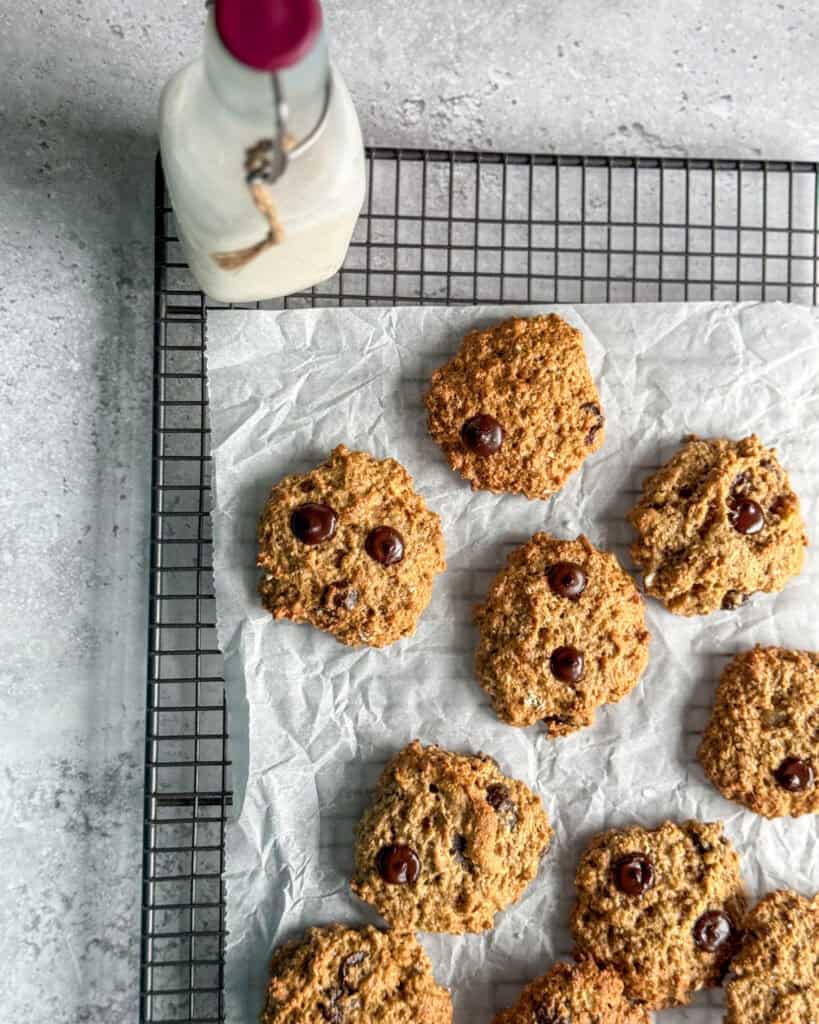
[437,227]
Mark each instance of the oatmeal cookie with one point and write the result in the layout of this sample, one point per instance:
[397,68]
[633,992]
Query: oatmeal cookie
[351,548]
[663,907]
[580,993]
[562,631]
[447,841]
[347,976]
[516,409]
[775,976]
[761,745]
[717,523]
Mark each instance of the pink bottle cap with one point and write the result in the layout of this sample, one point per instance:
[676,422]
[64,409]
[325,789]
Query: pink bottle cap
[268,35]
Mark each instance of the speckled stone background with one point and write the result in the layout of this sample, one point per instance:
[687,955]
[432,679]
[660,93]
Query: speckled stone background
[79,84]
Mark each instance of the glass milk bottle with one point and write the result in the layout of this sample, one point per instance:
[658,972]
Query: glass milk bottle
[262,152]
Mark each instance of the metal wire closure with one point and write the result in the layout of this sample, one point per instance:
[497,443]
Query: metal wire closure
[301,147]
[278,151]
[271,157]
[437,227]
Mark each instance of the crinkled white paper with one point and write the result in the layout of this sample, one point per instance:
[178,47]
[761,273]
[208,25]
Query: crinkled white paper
[312,722]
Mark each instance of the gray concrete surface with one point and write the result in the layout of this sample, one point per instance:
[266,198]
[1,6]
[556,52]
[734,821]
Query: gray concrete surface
[79,83]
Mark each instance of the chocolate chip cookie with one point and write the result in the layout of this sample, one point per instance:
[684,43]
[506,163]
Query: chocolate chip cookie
[345,976]
[351,548]
[562,631]
[663,907]
[447,841]
[576,993]
[516,409]
[716,524]
[775,976]
[761,745]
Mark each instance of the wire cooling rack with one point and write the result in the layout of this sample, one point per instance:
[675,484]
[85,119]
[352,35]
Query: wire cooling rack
[437,227]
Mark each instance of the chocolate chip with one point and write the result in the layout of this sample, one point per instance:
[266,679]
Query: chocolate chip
[330,1010]
[556,720]
[740,484]
[567,664]
[307,486]
[398,864]
[482,434]
[598,423]
[778,506]
[633,874]
[746,516]
[345,969]
[713,931]
[698,842]
[567,579]
[543,1015]
[687,490]
[734,599]
[458,848]
[385,545]
[500,799]
[497,794]
[794,774]
[313,523]
[339,596]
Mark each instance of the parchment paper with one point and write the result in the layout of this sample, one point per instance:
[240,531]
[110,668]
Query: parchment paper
[312,722]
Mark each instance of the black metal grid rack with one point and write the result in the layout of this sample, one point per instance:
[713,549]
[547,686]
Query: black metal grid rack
[437,227]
